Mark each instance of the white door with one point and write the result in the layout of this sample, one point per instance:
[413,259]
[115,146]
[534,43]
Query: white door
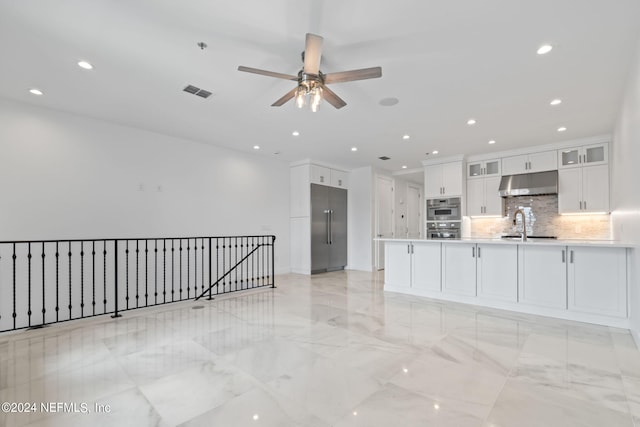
[475,197]
[459,268]
[426,266]
[492,201]
[414,211]
[545,161]
[542,277]
[595,188]
[397,271]
[384,215]
[452,179]
[597,280]
[497,272]
[569,190]
[433,181]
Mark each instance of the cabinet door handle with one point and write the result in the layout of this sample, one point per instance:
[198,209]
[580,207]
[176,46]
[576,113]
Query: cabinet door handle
[563,256]
[473,251]
[585,205]
[478,251]
[571,257]
[408,249]
[580,204]
[412,248]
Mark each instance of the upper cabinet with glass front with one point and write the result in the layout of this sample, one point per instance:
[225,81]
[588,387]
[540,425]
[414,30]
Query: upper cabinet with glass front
[587,155]
[483,168]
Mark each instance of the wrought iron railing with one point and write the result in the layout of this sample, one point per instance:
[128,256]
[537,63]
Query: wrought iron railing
[49,281]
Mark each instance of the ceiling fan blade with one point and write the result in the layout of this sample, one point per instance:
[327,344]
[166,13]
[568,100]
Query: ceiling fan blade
[312,53]
[349,76]
[285,98]
[332,98]
[267,73]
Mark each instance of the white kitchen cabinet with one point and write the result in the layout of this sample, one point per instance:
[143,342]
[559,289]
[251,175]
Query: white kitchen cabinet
[528,163]
[443,179]
[483,168]
[497,272]
[412,265]
[327,176]
[459,268]
[597,279]
[583,189]
[338,178]
[587,155]
[542,276]
[483,198]
[425,266]
[397,264]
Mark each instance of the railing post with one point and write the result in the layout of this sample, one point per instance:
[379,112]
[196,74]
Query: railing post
[273,261]
[115,277]
[210,297]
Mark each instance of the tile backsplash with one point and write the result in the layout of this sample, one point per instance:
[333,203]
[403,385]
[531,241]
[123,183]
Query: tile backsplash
[542,219]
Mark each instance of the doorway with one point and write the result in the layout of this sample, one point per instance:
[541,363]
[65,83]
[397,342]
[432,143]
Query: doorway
[383,216]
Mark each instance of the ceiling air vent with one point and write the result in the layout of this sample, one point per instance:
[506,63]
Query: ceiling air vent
[197,91]
[384,158]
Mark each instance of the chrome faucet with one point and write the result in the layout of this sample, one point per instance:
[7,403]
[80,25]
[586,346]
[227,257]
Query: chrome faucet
[524,223]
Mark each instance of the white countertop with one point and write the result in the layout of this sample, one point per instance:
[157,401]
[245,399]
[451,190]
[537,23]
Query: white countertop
[539,242]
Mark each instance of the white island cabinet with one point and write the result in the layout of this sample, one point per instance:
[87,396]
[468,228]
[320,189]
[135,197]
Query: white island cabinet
[543,275]
[497,272]
[459,268]
[597,280]
[575,280]
[412,265]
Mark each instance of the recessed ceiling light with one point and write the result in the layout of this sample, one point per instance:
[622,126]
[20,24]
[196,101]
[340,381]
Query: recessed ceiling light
[492,142]
[36,91]
[404,166]
[435,151]
[354,148]
[85,65]
[295,133]
[556,102]
[406,136]
[545,48]
[562,129]
[471,122]
[256,147]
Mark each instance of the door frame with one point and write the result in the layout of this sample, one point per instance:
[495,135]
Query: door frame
[379,246]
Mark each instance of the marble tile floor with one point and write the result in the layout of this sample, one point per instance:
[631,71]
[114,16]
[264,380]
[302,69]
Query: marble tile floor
[327,350]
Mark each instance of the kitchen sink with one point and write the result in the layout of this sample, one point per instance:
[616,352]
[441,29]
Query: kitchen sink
[534,237]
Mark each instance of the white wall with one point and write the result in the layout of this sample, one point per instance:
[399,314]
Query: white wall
[67,176]
[625,197]
[360,219]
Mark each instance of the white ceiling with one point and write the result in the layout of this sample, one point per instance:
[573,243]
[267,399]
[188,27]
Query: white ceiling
[446,61]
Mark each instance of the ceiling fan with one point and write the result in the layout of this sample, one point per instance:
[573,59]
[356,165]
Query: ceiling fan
[312,83]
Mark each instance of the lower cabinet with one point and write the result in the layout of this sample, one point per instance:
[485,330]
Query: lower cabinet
[412,265]
[459,268]
[542,276]
[397,264]
[588,281]
[425,267]
[597,280]
[497,272]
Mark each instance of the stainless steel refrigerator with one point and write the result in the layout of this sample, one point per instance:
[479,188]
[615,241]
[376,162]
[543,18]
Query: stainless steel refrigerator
[328,228]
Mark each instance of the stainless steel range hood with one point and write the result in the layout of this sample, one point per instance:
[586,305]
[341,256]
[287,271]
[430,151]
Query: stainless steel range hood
[529,184]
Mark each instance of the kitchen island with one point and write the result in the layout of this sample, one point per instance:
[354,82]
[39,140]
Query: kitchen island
[583,280]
